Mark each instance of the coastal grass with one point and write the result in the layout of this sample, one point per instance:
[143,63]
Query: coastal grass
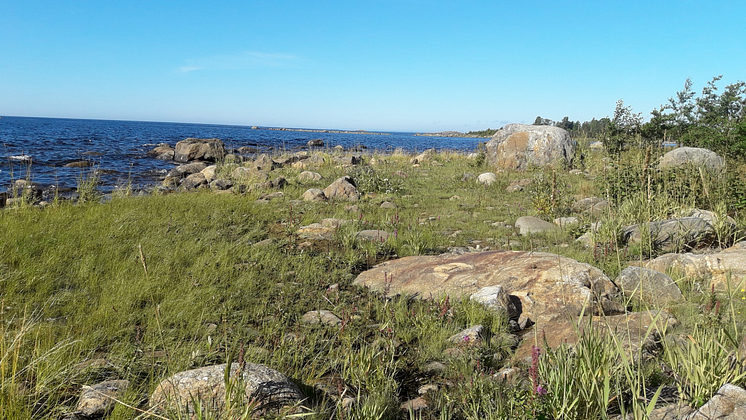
[143,287]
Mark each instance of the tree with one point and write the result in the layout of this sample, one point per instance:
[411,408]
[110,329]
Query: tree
[542,121]
[565,124]
[624,126]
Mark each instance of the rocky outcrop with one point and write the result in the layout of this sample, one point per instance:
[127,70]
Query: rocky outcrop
[519,146]
[545,285]
[206,386]
[199,149]
[699,157]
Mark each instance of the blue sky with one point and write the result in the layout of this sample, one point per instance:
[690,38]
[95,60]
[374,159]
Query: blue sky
[404,65]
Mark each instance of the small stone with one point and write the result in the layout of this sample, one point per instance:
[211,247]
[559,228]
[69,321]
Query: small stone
[566,221]
[424,389]
[531,224]
[321,317]
[314,194]
[435,367]
[373,235]
[470,336]
[416,404]
[98,400]
[388,205]
[506,375]
[308,176]
[487,178]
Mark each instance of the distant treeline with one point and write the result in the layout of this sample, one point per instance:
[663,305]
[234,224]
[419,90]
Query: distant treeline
[593,128]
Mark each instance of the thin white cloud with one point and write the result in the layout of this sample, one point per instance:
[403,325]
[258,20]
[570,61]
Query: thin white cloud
[239,61]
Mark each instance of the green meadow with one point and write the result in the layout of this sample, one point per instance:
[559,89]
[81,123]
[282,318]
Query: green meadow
[140,287]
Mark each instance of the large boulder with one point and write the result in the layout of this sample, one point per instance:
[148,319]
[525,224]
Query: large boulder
[342,189]
[672,234]
[648,287]
[199,149]
[683,156]
[205,387]
[546,285]
[518,146]
[724,270]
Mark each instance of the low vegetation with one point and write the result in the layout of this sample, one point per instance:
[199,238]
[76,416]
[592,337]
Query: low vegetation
[142,287]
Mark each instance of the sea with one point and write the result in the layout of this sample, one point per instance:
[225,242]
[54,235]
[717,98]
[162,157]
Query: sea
[39,148]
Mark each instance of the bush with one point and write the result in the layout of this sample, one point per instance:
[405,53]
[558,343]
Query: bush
[368,180]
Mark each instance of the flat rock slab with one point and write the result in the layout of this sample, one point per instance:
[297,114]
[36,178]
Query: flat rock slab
[630,330]
[180,392]
[546,285]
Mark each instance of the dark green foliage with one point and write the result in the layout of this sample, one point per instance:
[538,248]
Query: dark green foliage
[483,133]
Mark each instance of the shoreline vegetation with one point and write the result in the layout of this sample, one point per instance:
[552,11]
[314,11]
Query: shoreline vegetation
[541,276]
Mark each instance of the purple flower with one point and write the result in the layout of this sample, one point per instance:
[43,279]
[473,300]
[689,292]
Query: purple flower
[540,390]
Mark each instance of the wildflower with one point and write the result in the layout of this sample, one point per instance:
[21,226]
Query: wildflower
[540,390]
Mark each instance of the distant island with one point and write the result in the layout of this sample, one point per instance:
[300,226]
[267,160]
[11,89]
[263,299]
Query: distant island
[474,134]
[315,130]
